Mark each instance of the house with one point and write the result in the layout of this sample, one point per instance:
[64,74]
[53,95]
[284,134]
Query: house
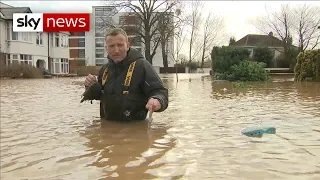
[48,51]
[252,41]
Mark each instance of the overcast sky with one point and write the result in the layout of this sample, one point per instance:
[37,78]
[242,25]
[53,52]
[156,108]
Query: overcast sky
[238,15]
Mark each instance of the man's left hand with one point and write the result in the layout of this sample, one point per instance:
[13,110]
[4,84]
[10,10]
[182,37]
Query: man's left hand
[153,105]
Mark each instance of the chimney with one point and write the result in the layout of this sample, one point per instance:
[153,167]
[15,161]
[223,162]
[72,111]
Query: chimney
[270,34]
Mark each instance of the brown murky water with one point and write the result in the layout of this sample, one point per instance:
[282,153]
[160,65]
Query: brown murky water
[47,134]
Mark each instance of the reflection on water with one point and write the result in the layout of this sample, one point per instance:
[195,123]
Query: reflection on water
[47,134]
[126,150]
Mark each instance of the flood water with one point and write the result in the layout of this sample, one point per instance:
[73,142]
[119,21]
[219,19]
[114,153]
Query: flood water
[47,134]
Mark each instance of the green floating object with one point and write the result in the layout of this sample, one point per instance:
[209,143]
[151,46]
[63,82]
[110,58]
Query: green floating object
[258,131]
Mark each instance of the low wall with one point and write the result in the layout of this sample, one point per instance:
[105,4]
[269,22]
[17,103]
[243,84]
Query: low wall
[279,70]
[84,70]
[172,70]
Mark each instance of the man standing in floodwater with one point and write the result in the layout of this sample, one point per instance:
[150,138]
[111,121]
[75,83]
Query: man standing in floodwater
[130,87]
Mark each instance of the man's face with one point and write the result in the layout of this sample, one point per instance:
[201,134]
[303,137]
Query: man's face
[117,47]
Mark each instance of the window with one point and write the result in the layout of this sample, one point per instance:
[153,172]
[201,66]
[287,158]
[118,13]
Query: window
[39,39]
[64,41]
[99,53]
[67,65]
[82,42]
[100,42]
[8,31]
[99,21]
[51,66]
[100,32]
[12,59]
[106,11]
[99,12]
[51,39]
[26,59]
[82,53]
[18,36]
[25,36]
[59,65]
[101,62]
[15,36]
[19,59]
[103,22]
[56,65]
[81,34]
[57,39]
[64,65]
[251,52]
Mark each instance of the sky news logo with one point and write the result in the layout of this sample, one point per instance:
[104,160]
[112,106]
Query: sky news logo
[51,22]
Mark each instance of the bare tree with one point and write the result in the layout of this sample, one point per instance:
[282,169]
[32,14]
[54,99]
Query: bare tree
[168,24]
[166,32]
[194,22]
[212,29]
[179,38]
[280,23]
[305,24]
[149,14]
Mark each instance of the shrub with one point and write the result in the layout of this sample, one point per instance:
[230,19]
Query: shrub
[288,60]
[264,54]
[282,62]
[248,71]
[20,71]
[293,55]
[308,66]
[231,63]
[225,57]
[193,65]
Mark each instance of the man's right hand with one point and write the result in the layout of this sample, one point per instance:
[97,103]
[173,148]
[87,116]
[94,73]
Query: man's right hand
[90,79]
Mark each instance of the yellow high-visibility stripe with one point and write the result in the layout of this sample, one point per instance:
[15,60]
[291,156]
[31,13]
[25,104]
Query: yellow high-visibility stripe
[128,78]
[105,76]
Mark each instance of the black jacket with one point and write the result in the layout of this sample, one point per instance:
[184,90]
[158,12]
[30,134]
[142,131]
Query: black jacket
[145,83]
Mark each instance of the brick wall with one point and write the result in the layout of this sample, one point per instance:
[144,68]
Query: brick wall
[74,42]
[73,34]
[74,53]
